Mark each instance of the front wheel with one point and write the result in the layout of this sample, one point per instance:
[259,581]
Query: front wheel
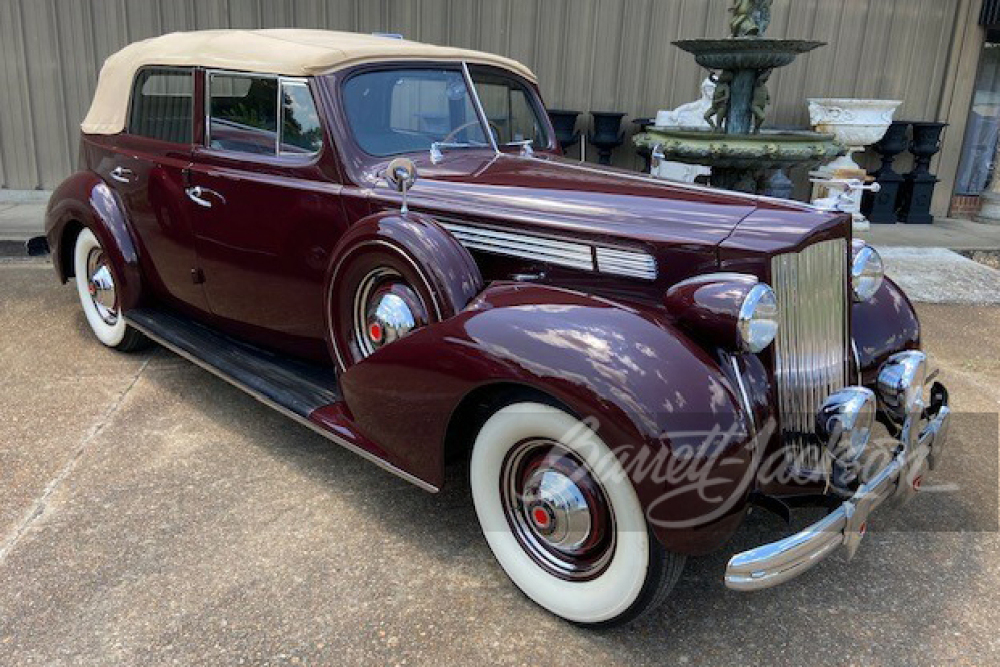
[563,519]
[96,285]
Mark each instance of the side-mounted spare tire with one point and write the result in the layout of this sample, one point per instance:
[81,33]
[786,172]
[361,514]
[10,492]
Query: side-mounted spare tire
[392,274]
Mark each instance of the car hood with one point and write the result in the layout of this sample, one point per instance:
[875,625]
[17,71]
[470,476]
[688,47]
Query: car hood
[558,196]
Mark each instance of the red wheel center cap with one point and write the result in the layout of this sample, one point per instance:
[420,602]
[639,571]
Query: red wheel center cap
[92,288]
[375,332]
[541,517]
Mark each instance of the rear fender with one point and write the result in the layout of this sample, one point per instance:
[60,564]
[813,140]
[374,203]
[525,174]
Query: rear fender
[84,199]
[650,392]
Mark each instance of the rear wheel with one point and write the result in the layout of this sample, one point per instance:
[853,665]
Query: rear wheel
[96,286]
[563,519]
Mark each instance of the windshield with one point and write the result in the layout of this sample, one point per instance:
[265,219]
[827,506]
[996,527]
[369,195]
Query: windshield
[408,110]
[509,108]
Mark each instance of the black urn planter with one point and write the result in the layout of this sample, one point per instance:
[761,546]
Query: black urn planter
[607,135]
[564,123]
[919,184]
[882,207]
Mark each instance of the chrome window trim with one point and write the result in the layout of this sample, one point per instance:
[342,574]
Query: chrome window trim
[281,80]
[480,111]
[530,96]
[302,83]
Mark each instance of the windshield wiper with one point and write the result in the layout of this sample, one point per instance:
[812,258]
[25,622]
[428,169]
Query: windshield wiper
[527,148]
[437,155]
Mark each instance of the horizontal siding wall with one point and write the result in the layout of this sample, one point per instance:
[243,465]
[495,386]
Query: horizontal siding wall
[603,55]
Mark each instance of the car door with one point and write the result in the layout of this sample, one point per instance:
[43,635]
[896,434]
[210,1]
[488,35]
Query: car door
[267,192]
[145,166]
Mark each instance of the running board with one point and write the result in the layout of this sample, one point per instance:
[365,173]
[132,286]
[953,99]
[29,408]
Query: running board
[308,393]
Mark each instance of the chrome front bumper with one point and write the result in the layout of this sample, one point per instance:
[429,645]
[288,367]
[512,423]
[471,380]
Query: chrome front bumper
[776,563]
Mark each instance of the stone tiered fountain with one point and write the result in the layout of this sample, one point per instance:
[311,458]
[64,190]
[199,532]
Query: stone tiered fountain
[738,150]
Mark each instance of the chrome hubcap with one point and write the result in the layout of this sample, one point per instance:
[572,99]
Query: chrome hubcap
[385,310]
[557,510]
[101,286]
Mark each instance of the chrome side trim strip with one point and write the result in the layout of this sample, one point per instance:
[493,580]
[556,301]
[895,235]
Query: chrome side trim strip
[613,261]
[744,395]
[388,467]
[511,244]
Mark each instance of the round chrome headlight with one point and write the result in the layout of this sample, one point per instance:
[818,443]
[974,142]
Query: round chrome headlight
[758,319]
[867,272]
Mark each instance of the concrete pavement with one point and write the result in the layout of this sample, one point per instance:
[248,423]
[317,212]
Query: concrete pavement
[19,222]
[152,514]
[938,275]
[944,233]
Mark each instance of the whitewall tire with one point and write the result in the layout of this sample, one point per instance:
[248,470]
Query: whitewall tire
[563,519]
[97,288]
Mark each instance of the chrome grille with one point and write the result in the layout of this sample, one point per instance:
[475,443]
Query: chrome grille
[811,348]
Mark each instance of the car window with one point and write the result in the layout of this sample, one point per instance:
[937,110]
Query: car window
[244,115]
[300,128]
[397,111]
[162,104]
[509,109]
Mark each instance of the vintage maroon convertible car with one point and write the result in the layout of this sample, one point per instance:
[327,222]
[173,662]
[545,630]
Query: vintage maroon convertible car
[628,365]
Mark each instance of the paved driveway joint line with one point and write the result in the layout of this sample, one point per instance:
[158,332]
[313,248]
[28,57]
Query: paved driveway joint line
[39,507]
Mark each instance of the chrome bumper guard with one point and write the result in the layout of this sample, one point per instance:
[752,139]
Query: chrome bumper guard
[778,562]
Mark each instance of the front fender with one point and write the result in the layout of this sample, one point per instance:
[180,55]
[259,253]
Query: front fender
[882,326]
[652,392]
[85,199]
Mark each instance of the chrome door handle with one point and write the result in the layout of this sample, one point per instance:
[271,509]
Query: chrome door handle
[122,175]
[197,195]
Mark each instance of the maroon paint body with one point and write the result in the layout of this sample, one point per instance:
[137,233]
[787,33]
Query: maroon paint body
[258,264]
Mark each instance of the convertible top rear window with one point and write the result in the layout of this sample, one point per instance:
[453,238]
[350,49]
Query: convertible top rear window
[162,103]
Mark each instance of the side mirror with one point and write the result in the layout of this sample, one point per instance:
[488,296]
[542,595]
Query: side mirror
[401,174]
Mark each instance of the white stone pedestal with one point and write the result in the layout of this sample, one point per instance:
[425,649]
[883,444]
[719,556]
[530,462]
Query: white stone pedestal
[856,124]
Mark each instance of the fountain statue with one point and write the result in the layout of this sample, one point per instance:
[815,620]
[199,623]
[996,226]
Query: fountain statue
[750,17]
[689,114]
[736,145]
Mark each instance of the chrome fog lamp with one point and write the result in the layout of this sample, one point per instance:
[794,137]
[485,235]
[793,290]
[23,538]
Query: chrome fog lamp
[867,271]
[844,424]
[901,383]
[758,319]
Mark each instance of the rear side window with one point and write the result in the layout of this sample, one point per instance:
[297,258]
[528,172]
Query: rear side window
[262,115]
[162,104]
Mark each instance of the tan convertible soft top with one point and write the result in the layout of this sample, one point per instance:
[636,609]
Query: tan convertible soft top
[284,51]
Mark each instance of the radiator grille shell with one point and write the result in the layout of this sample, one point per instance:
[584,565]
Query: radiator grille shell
[811,350]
